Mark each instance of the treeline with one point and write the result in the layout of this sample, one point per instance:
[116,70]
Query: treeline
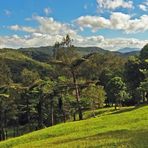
[37,98]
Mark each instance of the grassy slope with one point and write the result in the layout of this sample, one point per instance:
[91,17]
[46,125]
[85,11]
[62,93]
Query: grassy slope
[123,129]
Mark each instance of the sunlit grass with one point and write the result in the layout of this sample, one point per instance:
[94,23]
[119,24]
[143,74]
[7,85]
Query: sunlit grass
[126,128]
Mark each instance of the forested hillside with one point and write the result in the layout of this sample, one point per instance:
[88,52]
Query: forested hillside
[43,54]
[46,86]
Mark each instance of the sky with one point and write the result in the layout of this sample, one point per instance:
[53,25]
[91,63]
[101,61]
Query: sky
[109,24]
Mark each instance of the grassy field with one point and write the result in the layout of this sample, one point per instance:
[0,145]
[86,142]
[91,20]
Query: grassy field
[126,128]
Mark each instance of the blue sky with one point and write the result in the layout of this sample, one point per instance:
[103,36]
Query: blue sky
[110,24]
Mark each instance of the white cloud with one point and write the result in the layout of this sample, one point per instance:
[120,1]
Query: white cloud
[47,11]
[108,43]
[117,21]
[49,31]
[46,25]
[36,40]
[144,6]
[22,28]
[118,43]
[114,4]
[138,25]
[33,40]
[93,22]
[49,25]
[46,33]
[89,41]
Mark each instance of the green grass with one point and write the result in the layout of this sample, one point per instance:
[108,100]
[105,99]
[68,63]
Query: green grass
[127,128]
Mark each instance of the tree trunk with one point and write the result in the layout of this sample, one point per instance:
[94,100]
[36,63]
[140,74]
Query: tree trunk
[77,95]
[116,104]
[64,116]
[52,111]
[147,97]
[14,131]
[2,130]
[5,124]
[28,111]
[40,113]
[74,116]
[2,134]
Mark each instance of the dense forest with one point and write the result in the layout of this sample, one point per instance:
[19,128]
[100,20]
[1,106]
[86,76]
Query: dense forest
[46,86]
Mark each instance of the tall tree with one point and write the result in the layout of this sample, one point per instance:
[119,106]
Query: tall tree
[117,90]
[67,56]
[133,75]
[95,96]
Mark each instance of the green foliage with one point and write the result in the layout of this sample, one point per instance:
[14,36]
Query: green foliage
[117,89]
[95,96]
[17,61]
[5,74]
[144,52]
[97,63]
[29,77]
[136,75]
[133,75]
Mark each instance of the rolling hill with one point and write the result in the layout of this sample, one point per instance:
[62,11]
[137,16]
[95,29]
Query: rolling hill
[37,58]
[128,49]
[17,61]
[125,128]
[44,53]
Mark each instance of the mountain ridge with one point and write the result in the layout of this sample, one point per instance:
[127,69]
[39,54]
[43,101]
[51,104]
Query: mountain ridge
[128,49]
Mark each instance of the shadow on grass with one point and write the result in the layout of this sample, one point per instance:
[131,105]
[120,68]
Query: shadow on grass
[120,138]
[123,110]
[99,113]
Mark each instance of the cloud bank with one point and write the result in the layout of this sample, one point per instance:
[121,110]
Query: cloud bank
[49,30]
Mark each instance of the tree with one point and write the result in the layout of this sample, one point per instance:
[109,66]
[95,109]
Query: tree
[98,62]
[68,57]
[133,75]
[5,74]
[104,78]
[117,90]
[143,88]
[29,77]
[27,104]
[144,53]
[5,80]
[95,96]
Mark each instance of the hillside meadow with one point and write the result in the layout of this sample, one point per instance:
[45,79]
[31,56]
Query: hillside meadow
[123,128]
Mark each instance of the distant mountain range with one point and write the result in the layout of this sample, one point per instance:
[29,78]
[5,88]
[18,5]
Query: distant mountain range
[37,58]
[43,54]
[128,50]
